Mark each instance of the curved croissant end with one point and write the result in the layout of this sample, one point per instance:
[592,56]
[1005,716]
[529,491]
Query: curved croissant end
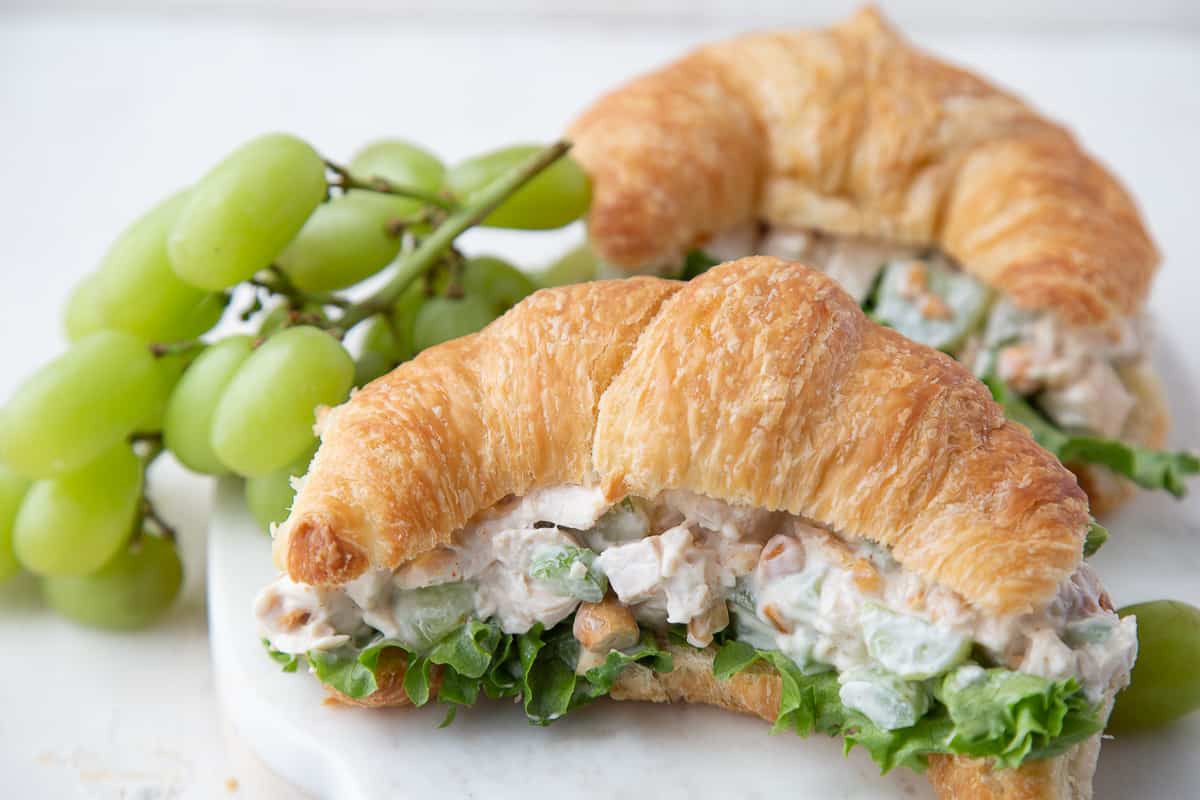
[853,131]
[759,383]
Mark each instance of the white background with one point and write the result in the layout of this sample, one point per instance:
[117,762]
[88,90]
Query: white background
[103,114]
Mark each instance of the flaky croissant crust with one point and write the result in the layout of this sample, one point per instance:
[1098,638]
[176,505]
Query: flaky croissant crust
[853,131]
[760,383]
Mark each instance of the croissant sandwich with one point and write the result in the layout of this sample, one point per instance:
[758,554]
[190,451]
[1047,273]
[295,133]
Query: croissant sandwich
[950,209]
[737,490]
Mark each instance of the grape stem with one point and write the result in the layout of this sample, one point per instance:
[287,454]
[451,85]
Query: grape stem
[276,281]
[346,181]
[161,349]
[150,515]
[149,446]
[432,248]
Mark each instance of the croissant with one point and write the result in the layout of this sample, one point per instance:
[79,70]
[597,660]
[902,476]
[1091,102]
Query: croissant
[629,484]
[848,148]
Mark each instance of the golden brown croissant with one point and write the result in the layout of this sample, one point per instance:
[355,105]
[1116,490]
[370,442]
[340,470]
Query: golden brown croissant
[852,135]
[761,389]
[771,419]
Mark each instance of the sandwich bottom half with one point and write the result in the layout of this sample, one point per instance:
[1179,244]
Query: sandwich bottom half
[686,599]
[757,692]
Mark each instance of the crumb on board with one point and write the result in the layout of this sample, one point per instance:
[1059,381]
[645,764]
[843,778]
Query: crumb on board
[231,785]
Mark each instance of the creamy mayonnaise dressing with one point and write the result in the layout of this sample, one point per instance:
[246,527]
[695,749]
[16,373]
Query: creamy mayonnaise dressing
[826,601]
[1073,370]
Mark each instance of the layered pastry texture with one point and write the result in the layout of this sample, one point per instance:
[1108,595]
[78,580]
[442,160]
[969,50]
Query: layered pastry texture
[738,491]
[951,209]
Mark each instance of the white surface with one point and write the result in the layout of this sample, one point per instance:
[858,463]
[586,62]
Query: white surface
[101,117]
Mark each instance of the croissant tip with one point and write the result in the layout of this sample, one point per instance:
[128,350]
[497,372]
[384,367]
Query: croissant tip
[317,555]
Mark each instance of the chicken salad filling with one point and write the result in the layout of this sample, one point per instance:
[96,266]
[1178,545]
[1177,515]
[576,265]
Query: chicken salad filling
[600,585]
[1083,382]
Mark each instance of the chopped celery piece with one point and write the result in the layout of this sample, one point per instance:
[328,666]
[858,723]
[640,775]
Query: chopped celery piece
[427,614]
[571,571]
[931,303]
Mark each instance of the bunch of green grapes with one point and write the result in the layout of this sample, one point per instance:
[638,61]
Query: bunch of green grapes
[264,241]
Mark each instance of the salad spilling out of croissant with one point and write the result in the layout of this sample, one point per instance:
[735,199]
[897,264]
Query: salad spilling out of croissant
[550,596]
[738,490]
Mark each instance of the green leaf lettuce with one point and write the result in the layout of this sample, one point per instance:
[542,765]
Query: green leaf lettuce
[1003,715]
[1150,469]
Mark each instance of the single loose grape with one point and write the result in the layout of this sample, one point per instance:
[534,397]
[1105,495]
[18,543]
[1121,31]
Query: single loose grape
[442,319]
[240,216]
[12,491]
[79,405]
[558,195]
[265,418]
[577,266]
[270,496]
[136,291]
[344,242]
[1165,683]
[73,524]
[188,419]
[402,163]
[130,591]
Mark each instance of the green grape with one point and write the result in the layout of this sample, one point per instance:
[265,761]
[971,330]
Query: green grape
[188,420]
[73,524]
[558,195]
[136,291]
[498,281]
[344,242]
[79,405]
[281,316]
[401,163]
[130,591]
[81,314]
[404,317]
[1165,684]
[168,370]
[265,417]
[274,320]
[240,216]
[12,490]
[442,319]
[577,266]
[270,496]
[493,279]
[379,351]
